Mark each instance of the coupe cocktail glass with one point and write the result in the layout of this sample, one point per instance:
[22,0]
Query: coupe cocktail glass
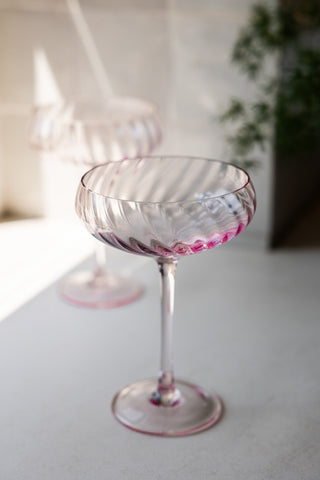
[166,208]
[87,134]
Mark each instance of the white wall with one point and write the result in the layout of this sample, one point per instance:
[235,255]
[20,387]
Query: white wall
[173,52]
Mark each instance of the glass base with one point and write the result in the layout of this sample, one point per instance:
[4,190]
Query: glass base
[92,290]
[196,410]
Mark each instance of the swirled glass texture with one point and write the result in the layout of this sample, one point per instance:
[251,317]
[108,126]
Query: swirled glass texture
[165,206]
[92,133]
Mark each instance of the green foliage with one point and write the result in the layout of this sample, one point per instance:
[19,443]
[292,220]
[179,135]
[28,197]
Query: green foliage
[290,104]
[260,37]
[298,108]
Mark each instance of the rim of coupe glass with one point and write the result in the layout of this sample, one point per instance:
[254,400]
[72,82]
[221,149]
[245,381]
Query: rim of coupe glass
[154,110]
[142,202]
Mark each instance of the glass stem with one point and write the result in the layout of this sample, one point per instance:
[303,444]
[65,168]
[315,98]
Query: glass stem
[167,394]
[100,259]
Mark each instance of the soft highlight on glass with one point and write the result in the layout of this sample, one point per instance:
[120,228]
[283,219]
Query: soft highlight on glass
[166,208]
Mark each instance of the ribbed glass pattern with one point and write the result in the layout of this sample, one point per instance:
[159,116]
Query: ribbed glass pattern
[91,133]
[165,206]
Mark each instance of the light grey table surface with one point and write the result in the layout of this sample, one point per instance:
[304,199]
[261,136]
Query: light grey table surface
[247,326]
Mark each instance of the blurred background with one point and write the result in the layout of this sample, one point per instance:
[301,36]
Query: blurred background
[222,75]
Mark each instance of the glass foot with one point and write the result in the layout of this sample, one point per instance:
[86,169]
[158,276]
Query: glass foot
[196,410]
[88,289]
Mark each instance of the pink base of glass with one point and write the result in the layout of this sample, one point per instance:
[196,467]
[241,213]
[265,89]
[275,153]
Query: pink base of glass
[196,410]
[100,291]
